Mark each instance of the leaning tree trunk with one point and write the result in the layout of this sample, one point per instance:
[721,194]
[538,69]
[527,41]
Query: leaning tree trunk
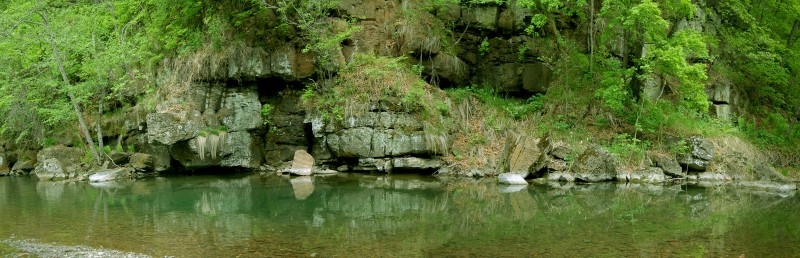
[72,99]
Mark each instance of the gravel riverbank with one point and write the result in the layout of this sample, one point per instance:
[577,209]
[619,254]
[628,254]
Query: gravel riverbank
[28,248]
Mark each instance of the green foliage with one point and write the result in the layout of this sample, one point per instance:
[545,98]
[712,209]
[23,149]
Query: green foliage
[417,69]
[670,58]
[119,148]
[483,48]
[131,148]
[628,148]
[266,113]
[322,36]
[369,80]
[613,85]
[48,142]
[107,149]
[515,108]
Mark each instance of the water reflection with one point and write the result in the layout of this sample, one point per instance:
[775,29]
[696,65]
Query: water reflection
[303,186]
[402,216]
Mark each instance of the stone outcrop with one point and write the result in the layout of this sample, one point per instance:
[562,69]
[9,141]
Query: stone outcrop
[213,127]
[373,135]
[700,154]
[595,164]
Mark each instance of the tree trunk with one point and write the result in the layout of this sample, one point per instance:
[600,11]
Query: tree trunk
[72,99]
[792,38]
[100,104]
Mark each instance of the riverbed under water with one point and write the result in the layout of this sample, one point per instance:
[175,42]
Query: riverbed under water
[352,215]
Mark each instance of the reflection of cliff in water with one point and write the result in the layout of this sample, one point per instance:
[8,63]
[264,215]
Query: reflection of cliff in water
[408,216]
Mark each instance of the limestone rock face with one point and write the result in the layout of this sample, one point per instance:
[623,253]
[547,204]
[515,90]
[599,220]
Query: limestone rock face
[536,77]
[595,164]
[167,127]
[701,152]
[235,149]
[374,135]
[243,108]
[484,17]
[450,68]
[211,125]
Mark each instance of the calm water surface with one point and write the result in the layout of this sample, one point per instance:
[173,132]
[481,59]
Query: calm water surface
[398,216]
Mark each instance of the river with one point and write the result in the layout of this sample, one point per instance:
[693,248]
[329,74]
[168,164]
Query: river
[353,215]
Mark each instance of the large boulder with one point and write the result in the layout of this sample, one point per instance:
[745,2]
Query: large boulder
[669,165]
[595,164]
[302,163]
[111,174]
[50,169]
[700,154]
[58,162]
[142,162]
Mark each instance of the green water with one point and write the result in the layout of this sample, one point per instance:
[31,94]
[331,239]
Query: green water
[399,216]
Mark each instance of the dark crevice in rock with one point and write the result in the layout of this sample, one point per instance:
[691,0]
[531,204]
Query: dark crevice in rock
[175,167]
[538,174]
[718,102]
[309,133]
